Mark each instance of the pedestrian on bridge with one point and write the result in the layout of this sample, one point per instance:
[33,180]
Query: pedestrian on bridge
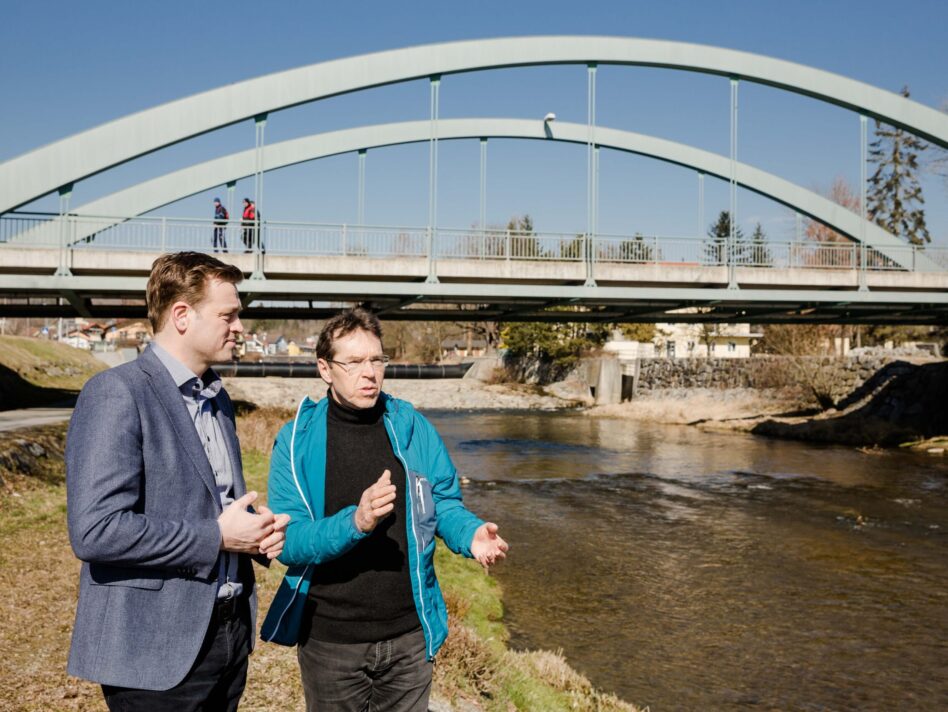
[221,217]
[249,224]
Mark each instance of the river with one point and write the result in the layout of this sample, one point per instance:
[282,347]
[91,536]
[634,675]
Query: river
[684,569]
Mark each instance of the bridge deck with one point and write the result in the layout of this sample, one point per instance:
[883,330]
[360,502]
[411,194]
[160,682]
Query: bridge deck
[110,282]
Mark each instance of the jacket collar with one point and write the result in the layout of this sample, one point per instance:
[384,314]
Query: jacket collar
[170,400]
[398,412]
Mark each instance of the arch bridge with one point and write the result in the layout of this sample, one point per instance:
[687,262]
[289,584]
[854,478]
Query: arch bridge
[93,259]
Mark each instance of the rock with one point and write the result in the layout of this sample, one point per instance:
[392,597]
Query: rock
[572,389]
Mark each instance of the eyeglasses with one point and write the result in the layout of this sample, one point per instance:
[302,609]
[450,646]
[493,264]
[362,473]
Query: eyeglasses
[377,363]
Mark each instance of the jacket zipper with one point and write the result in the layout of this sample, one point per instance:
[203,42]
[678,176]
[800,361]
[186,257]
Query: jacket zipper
[421,594]
[421,494]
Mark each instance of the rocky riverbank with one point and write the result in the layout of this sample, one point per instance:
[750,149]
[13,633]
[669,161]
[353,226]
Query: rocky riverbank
[900,404]
[424,394]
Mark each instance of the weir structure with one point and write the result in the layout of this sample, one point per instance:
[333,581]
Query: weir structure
[93,259]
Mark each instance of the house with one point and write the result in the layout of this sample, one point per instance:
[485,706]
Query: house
[249,344]
[80,340]
[458,347]
[705,340]
[688,341]
[134,333]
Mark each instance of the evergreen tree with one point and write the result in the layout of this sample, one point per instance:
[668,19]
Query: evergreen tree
[523,242]
[636,249]
[895,195]
[759,251]
[715,249]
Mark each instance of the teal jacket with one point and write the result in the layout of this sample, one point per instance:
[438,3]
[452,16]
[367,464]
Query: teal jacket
[297,487]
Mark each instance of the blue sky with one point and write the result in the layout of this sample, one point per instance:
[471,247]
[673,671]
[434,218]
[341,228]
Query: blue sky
[65,67]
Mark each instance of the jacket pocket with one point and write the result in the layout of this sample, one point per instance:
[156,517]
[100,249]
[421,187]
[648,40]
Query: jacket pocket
[423,508]
[105,575]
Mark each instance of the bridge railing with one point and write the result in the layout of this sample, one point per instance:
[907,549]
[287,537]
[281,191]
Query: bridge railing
[163,234]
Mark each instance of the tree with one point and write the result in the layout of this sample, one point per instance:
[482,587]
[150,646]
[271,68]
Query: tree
[636,250]
[895,196]
[643,333]
[759,252]
[560,343]
[806,348]
[841,193]
[523,243]
[715,249]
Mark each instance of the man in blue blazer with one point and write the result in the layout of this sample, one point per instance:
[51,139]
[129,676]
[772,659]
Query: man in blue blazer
[158,510]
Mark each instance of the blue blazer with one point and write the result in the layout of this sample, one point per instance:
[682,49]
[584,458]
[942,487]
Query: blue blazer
[142,508]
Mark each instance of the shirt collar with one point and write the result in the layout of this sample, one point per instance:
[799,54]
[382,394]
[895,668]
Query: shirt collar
[185,379]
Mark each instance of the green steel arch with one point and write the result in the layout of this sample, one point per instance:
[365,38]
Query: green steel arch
[155,193]
[39,172]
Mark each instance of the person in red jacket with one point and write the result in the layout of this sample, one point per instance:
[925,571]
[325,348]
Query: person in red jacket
[249,223]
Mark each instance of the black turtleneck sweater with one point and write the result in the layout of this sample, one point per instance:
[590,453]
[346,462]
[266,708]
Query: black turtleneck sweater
[365,595]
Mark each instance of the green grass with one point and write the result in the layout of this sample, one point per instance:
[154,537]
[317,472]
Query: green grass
[48,364]
[35,371]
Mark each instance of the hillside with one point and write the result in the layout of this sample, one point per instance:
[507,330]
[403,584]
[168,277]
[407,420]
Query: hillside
[39,372]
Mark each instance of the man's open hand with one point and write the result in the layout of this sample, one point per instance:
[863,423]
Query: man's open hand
[486,546]
[377,501]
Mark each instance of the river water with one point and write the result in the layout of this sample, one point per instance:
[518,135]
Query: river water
[686,570]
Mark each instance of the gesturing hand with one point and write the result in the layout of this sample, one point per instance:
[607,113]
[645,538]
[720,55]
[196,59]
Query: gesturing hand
[376,502]
[272,546]
[486,546]
[242,531]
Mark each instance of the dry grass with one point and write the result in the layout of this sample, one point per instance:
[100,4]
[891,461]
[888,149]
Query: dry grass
[48,364]
[38,589]
[257,427]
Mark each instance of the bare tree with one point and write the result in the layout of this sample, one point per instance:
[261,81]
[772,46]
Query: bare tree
[806,348]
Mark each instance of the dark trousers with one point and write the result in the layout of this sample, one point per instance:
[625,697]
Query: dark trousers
[215,682]
[391,675]
[219,238]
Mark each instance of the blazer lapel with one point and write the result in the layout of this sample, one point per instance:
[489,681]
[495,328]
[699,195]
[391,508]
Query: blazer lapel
[173,404]
[233,449]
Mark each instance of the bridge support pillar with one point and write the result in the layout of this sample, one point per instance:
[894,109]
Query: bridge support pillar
[732,237]
[863,179]
[65,193]
[260,124]
[435,100]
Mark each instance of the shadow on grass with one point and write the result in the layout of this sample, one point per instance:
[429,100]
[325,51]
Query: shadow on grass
[16,392]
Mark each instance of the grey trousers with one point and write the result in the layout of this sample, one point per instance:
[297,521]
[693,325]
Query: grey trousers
[387,676]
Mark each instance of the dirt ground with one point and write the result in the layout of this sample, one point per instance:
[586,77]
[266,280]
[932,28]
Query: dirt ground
[727,409]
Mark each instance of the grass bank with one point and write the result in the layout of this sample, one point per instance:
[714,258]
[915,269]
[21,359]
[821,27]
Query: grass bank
[37,372]
[39,581]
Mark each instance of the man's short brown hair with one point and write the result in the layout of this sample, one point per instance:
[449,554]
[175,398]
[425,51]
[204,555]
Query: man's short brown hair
[183,276]
[345,323]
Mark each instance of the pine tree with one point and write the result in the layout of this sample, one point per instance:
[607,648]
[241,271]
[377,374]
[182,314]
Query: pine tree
[715,249]
[759,251]
[895,195]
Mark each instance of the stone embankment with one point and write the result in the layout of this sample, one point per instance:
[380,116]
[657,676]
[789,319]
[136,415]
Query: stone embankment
[841,375]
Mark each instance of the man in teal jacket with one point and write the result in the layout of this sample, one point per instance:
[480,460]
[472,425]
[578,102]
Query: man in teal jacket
[367,483]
